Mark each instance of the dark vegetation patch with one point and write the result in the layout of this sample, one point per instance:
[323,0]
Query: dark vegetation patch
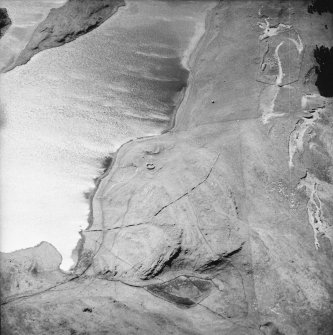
[34,271]
[87,194]
[85,260]
[324,70]
[167,265]
[87,309]
[106,163]
[180,301]
[4,20]
[202,285]
[183,291]
[321,6]
[270,328]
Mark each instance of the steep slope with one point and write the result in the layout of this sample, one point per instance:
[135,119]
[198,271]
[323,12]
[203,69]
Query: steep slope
[65,24]
[222,225]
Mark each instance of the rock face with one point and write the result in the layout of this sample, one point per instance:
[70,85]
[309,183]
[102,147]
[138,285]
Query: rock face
[5,21]
[222,225]
[65,24]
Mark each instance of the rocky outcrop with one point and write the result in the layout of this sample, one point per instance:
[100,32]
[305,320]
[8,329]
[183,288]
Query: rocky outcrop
[65,24]
[5,21]
[222,225]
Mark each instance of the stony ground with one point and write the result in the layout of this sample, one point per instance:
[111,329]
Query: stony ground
[222,225]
